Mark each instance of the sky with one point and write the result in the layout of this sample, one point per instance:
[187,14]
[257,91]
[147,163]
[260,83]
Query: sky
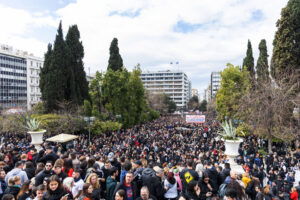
[201,35]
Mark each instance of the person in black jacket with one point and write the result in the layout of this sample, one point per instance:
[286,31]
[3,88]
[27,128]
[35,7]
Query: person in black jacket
[225,172]
[155,184]
[206,187]
[193,190]
[128,186]
[55,191]
[58,171]
[50,156]
[13,186]
[47,172]
[188,174]
[29,169]
[3,184]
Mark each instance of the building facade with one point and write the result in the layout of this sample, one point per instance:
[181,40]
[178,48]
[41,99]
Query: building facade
[215,83]
[34,64]
[19,78]
[173,83]
[207,93]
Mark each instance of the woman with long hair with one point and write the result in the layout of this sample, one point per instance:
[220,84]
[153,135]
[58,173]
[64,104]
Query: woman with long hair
[93,180]
[170,185]
[68,167]
[55,191]
[25,191]
[87,191]
[193,190]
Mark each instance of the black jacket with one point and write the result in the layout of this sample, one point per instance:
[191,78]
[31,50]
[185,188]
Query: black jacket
[56,195]
[12,190]
[123,186]
[49,157]
[30,173]
[40,177]
[155,186]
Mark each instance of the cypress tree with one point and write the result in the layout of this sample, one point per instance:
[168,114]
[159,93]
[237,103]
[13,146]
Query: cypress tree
[115,61]
[248,61]
[78,76]
[47,84]
[59,65]
[286,51]
[262,67]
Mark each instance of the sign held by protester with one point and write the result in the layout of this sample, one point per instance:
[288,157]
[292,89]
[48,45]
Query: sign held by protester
[195,118]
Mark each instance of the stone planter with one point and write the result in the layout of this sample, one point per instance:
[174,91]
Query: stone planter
[37,138]
[232,150]
[232,147]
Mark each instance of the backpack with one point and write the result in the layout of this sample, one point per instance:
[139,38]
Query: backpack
[222,190]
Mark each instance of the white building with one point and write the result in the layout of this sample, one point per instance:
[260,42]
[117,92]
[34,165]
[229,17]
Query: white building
[207,93]
[215,81]
[173,83]
[34,64]
[19,78]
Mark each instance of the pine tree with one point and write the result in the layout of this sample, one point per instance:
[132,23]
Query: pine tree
[248,61]
[262,67]
[115,61]
[286,51]
[78,76]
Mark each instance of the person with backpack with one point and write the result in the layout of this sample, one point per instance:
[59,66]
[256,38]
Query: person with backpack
[137,175]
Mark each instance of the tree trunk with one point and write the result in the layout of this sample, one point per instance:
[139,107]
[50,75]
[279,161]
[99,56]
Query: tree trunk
[269,141]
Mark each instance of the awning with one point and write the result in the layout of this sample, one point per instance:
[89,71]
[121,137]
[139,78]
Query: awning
[62,138]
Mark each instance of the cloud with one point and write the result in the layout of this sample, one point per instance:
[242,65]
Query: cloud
[202,35]
[17,25]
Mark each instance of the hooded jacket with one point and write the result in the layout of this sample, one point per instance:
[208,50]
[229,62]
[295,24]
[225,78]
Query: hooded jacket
[17,172]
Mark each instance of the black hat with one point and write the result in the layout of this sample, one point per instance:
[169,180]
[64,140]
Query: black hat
[138,162]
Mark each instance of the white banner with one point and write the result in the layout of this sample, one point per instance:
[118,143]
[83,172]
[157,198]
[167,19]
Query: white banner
[195,119]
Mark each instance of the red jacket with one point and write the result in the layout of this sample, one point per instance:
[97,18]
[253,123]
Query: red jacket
[294,195]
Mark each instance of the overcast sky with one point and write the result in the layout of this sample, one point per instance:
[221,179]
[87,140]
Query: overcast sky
[202,35]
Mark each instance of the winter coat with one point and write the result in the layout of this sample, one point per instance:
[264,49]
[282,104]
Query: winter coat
[55,195]
[30,173]
[41,176]
[123,187]
[17,172]
[14,190]
[110,188]
[294,195]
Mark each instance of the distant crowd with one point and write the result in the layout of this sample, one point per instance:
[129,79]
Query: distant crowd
[166,159]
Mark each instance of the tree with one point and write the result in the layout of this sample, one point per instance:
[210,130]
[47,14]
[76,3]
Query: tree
[157,101]
[248,61]
[77,76]
[234,84]
[47,81]
[203,106]
[115,61]
[170,103]
[266,110]
[262,67]
[193,103]
[286,51]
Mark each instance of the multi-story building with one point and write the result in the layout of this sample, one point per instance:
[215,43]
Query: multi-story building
[34,64]
[215,83]
[19,78]
[195,93]
[207,93]
[173,83]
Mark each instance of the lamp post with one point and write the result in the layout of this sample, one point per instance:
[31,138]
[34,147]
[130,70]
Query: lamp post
[118,117]
[90,121]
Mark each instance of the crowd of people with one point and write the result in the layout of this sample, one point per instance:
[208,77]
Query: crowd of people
[166,159]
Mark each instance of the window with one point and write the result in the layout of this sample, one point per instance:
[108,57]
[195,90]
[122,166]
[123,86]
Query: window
[31,63]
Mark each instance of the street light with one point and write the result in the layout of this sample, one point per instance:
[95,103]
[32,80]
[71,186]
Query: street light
[118,117]
[90,121]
